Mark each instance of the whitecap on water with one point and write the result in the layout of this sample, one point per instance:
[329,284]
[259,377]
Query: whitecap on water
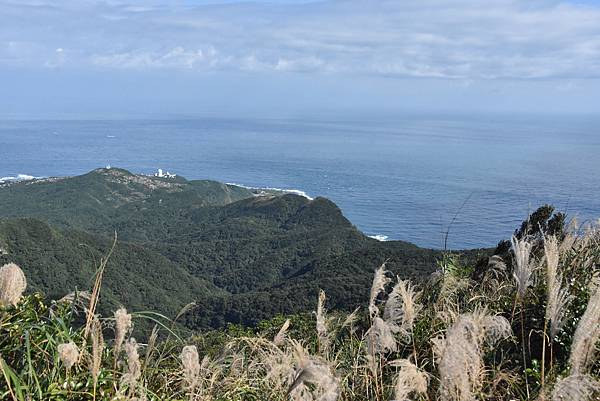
[287,191]
[379,237]
[18,177]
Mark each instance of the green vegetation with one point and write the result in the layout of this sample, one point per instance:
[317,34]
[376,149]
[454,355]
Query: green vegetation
[523,324]
[242,258]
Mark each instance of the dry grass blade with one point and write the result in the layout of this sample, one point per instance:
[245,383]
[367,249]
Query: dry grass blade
[281,335]
[351,319]
[185,310]
[96,290]
[151,347]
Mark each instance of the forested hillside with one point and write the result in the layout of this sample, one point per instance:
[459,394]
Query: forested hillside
[241,255]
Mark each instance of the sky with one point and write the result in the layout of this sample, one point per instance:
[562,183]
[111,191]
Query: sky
[278,58]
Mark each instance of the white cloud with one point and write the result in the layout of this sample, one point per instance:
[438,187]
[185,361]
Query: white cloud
[310,63]
[445,39]
[177,57]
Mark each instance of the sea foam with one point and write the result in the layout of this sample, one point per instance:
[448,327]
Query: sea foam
[18,177]
[379,237]
[287,191]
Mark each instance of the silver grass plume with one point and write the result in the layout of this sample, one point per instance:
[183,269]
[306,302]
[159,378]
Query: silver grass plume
[583,349]
[460,353]
[122,326]
[379,282]
[151,346]
[522,270]
[401,308]
[314,371]
[558,298]
[576,387]
[351,319]
[68,354]
[191,367]
[281,335]
[97,348]
[279,367]
[410,380]
[570,237]
[134,367]
[496,266]
[12,284]
[322,331]
[379,340]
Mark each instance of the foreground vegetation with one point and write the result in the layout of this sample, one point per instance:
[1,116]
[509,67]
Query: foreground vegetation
[522,324]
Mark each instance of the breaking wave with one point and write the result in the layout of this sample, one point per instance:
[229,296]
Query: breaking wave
[379,237]
[18,177]
[287,191]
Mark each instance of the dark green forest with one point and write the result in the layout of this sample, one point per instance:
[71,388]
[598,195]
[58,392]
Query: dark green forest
[240,255]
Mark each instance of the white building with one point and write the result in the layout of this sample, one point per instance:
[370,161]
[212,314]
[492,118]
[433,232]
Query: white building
[161,174]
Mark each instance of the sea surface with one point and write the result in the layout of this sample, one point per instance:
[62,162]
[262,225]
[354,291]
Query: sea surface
[409,177]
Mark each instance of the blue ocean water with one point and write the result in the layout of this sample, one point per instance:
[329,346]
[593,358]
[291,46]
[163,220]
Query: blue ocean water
[403,177]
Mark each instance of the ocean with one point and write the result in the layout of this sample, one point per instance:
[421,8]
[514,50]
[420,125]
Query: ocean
[401,177]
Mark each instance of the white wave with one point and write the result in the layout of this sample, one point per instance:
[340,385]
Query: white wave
[19,177]
[287,191]
[379,237]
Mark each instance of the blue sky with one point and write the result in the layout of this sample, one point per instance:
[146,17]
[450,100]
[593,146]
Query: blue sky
[84,57]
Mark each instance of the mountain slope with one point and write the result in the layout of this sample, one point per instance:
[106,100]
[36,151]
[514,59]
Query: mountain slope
[96,200]
[241,255]
[57,262]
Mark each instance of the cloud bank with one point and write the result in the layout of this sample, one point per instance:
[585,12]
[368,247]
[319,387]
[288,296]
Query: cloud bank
[439,39]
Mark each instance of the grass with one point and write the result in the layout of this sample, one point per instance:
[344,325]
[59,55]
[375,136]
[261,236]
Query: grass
[449,338]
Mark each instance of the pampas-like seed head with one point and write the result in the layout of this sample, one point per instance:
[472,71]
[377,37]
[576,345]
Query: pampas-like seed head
[576,388]
[401,308]
[409,380]
[379,282]
[351,319]
[281,335]
[460,353]
[587,335]
[379,340]
[68,354]
[322,331]
[191,366]
[134,367]
[12,284]
[122,326]
[522,269]
[97,348]
[557,298]
[316,372]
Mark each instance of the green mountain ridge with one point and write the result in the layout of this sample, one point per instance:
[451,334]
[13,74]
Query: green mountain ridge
[241,255]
